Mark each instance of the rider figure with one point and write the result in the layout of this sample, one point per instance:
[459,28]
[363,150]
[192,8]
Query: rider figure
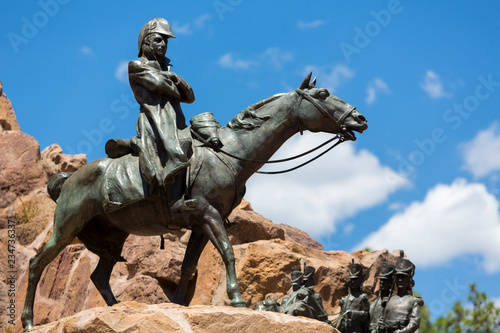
[159,93]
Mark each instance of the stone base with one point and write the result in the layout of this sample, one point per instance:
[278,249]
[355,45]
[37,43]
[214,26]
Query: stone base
[167,317]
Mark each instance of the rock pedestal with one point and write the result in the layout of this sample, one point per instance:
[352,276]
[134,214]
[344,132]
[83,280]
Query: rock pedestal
[140,318]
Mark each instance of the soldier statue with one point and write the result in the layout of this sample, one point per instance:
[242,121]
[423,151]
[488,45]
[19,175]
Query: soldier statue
[354,314]
[386,278]
[159,92]
[303,301]
[402,312]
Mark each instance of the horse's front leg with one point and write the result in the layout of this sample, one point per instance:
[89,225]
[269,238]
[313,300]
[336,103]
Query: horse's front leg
[214,229]
[197,242]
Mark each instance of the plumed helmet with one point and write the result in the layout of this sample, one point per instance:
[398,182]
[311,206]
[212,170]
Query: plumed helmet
[355,270]
[404,266]
[158,25]
[387,270]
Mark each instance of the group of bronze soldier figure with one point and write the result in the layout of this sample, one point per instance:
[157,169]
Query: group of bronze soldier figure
[159,92]
[390,312]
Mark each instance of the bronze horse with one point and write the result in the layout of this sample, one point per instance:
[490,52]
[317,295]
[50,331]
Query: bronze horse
[87,206]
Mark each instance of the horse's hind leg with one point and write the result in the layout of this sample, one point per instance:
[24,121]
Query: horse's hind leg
[107,242]
[214,228]
[197,242]
[57,242]
[100,278]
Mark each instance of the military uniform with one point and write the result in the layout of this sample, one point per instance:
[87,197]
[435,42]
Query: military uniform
[159,93]
[355,307]
[402,313]
[377,307]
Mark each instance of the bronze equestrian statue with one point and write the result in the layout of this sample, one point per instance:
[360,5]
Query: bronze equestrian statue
[108,199]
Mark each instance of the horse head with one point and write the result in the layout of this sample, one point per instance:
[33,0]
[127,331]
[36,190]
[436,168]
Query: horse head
[324,112]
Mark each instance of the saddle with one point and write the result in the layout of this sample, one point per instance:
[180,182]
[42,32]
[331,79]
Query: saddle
[203,128]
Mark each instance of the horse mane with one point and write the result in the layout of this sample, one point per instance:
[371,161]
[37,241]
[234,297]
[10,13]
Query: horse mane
[251,117]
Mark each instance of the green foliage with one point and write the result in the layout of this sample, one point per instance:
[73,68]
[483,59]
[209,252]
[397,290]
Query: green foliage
[28,212]
[426,325]
[481,317]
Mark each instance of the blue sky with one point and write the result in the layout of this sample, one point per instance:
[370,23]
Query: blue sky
[423,177]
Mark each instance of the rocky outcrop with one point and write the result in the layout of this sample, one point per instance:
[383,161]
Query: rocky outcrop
[55,161]
[141,318]
[21,167]
[8,121]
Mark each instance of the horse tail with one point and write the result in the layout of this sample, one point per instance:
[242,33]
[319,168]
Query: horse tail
[55,184]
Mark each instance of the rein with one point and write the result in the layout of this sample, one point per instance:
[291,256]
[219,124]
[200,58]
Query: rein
[302,95]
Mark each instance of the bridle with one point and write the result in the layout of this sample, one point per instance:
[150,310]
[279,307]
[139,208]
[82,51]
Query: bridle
[339,122]
[302,95]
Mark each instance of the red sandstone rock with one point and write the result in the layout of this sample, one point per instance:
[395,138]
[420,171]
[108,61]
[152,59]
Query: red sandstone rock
[55,161]
[8,121]
[21,168]
[141,318]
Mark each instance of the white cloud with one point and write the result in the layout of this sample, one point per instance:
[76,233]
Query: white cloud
[228,61]
[308,25]
[481,155]
[376,87]
[276,57]
[330,77]
[188,28]
[86,51]
[184,29]
[452,221]
[317,197]
[121,72]
[273,56]
[433,86]
[200,21]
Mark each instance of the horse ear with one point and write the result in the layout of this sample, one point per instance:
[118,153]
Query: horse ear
[305,83]
[313,83]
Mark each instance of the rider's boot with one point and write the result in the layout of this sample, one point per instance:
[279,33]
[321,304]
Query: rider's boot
[179,199]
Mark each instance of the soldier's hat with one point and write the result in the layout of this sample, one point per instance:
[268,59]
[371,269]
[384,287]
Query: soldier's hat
[309,272]
[157,25]
[355,270]
[308,275]
[297,277]
[404,266]
[387,270]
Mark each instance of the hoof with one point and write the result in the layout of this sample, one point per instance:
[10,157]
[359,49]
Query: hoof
[239,304]
[28,326]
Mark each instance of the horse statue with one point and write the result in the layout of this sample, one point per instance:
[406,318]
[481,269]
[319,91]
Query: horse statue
[106,200]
